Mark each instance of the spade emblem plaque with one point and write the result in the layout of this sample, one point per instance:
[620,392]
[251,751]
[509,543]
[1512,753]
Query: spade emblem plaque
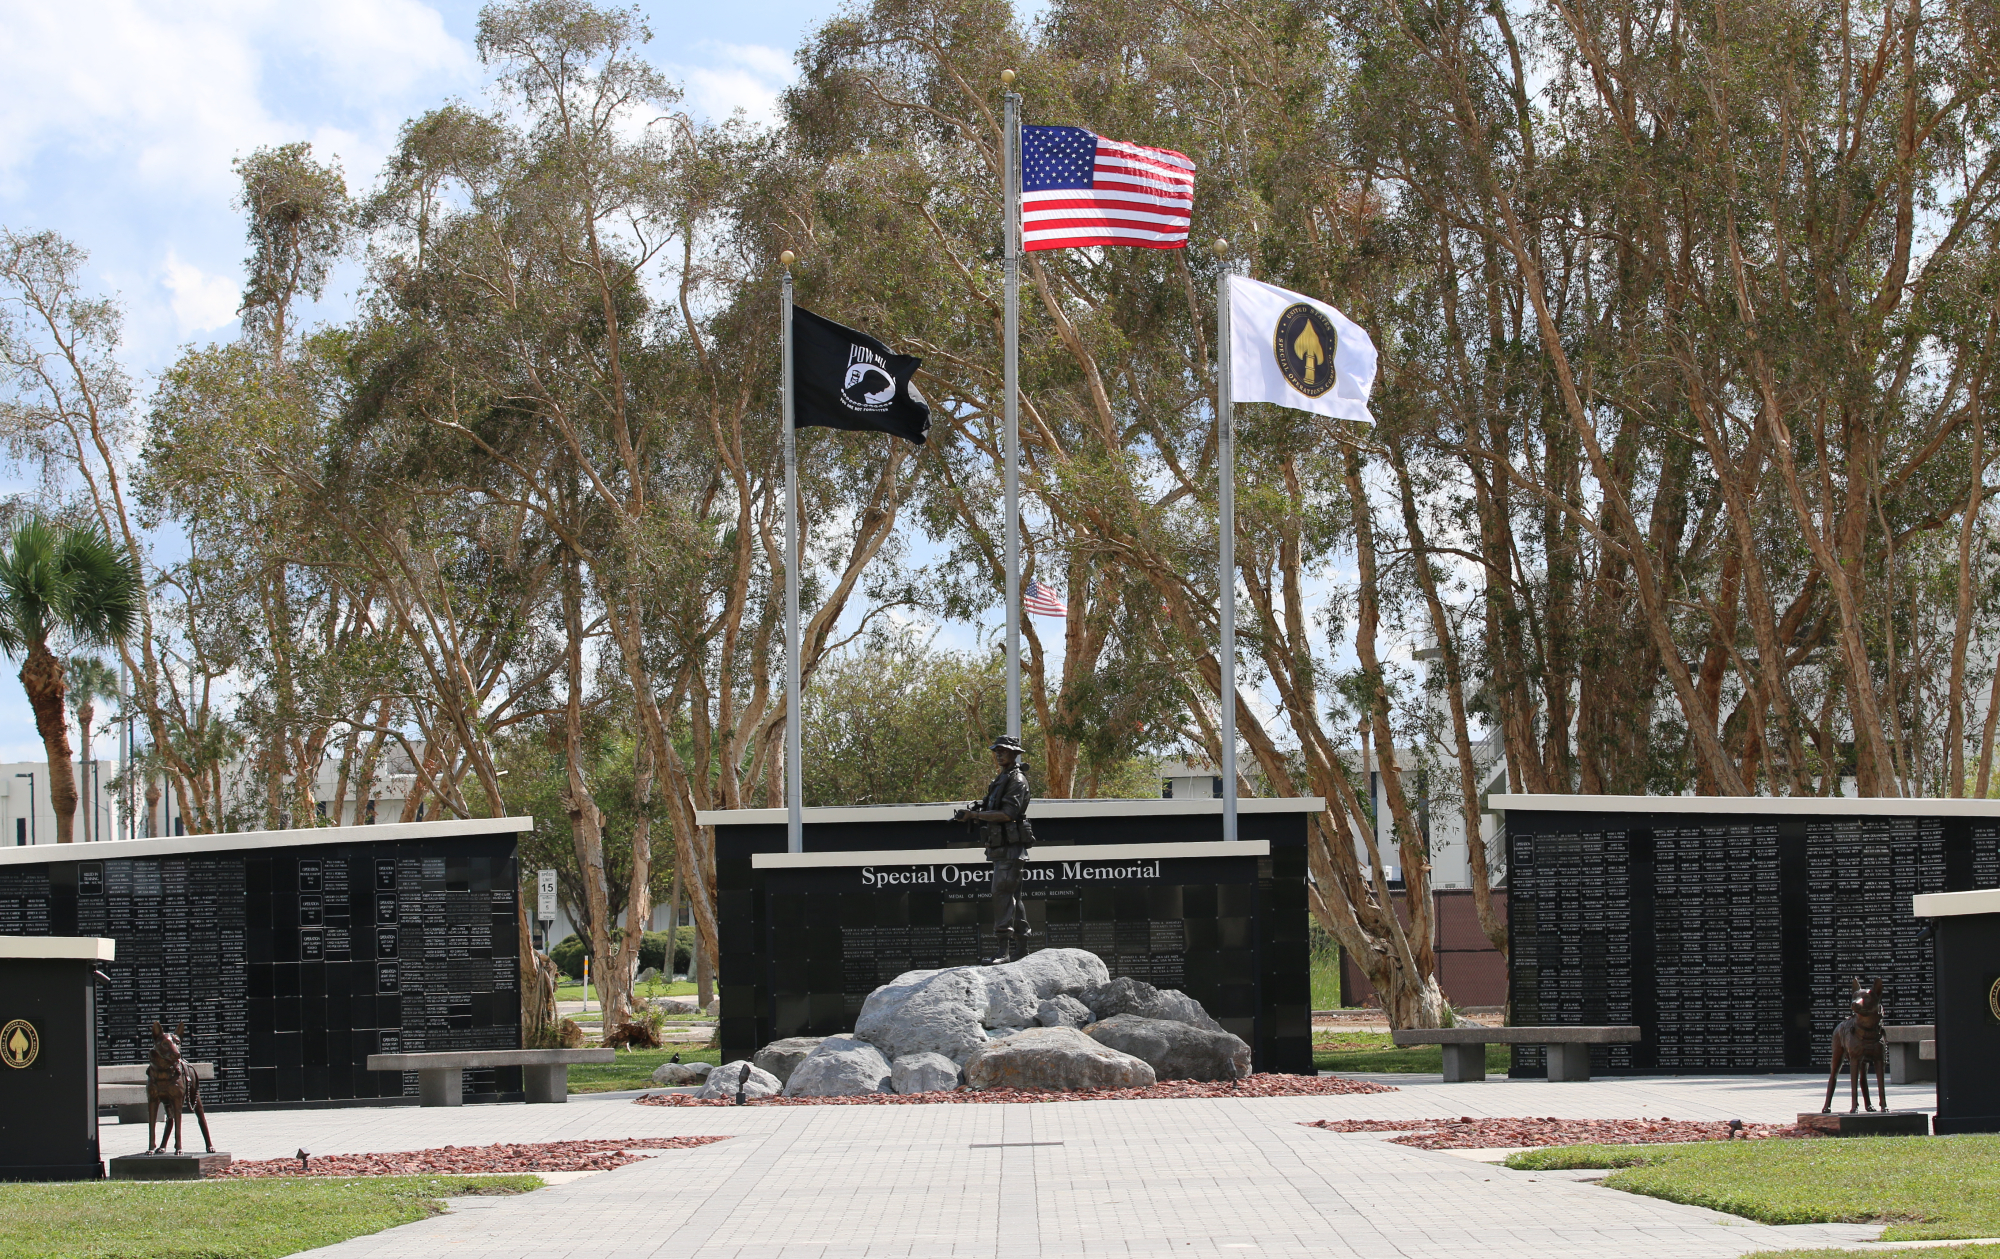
[20,1044]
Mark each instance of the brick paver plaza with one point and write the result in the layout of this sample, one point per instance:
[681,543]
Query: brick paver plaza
[1126,1179]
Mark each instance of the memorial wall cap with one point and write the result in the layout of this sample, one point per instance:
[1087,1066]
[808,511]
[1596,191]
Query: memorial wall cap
[235,841]
[58,948]
[1800,806]
[1044,809]
[1952,904]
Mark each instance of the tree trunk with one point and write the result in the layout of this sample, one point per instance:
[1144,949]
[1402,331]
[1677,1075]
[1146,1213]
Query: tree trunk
[85,715]
[42,678]
[538,989]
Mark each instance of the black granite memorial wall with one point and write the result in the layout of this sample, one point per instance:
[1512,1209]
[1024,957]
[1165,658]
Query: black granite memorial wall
[803,945]
[1730,939]
[290,963]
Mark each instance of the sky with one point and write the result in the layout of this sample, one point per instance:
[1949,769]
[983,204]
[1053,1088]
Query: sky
[120,119]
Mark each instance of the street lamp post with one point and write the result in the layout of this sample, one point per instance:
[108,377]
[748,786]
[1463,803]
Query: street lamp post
[34,831]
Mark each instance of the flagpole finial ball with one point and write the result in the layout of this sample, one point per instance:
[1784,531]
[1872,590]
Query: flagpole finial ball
[1007,77]
[788,258]
[1219,247]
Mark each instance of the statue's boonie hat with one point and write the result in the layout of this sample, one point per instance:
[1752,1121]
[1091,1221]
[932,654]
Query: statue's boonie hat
[1007,743]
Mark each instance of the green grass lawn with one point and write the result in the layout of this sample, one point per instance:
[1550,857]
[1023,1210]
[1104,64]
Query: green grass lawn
[1325,971]
[219,1219]
[1921,1187]
[1932,1252]
[574,991]
[1374,1051]
[633,1070]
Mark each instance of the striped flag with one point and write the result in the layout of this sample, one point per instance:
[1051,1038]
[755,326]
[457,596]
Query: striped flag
[1078,189]
[1042,601]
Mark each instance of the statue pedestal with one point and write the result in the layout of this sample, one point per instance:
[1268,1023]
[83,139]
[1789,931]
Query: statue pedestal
[188,1166]
[1880,1123]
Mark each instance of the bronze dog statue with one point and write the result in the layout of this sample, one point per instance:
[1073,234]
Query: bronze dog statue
[1858,1042]
[171,1083]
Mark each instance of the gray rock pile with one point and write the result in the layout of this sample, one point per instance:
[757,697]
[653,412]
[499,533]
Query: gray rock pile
[1054,1020]
[1175,1051]
[923,1073]
[951,1011]
[1054,1058]
[681,1074]
[722,1082]
[1132,996]
[782,1057]
[839,1066]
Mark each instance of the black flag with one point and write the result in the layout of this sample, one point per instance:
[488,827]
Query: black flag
[848,379]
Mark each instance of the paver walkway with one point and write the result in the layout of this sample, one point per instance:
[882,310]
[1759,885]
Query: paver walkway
[1085,1179]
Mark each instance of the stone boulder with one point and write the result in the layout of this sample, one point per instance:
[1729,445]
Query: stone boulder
[782,1057]
[950,1011]
[923,1073]
[678,1074]
[681,1074]
[1175,1051]
[722,1082]
[840,1066]
[1054,1058]
[1133,996]
[1063,1010]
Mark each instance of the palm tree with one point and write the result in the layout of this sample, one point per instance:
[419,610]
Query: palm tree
[90,680]
[70,583]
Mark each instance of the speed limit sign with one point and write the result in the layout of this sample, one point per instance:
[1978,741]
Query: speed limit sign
[545,888]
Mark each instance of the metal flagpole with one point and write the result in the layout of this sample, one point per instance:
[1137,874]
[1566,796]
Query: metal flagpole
[1225,420]
[794,760]
[1010,144]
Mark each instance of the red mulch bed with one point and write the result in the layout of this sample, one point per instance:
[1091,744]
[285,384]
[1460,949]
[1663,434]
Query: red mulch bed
[1467,1133]
[540,1156]
[1265,1085]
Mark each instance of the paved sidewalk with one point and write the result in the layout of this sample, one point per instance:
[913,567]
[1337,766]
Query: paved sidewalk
[1084,1179]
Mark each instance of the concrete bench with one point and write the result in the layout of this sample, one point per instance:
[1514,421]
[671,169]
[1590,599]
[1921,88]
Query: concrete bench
[441,1076]
[1907,1064]
[123,1085]
[1927,1052]
[1465,1047]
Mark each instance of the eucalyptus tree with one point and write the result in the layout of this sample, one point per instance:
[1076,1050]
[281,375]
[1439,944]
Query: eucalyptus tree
[567,324]
[1706,332]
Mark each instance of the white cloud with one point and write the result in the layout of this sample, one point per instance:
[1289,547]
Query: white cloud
[729,77]
[201,302]
[121,118]
[172,91]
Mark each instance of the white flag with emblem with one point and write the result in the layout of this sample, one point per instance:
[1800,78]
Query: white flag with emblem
[1289,349]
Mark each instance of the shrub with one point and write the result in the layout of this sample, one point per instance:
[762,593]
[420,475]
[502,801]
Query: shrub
[568,955]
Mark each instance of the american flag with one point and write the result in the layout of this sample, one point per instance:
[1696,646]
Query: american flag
[1042,601]
[1078,188]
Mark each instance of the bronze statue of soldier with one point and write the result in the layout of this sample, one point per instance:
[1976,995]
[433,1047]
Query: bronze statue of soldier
[1000,822]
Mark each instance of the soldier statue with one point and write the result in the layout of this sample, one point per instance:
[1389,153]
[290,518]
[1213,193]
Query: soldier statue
[1000,822]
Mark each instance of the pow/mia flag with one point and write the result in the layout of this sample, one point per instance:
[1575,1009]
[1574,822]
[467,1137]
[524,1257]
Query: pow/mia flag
[1286,348]
[847,379]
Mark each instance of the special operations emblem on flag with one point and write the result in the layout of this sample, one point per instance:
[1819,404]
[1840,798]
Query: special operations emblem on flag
[1305,344]
[1286,348]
